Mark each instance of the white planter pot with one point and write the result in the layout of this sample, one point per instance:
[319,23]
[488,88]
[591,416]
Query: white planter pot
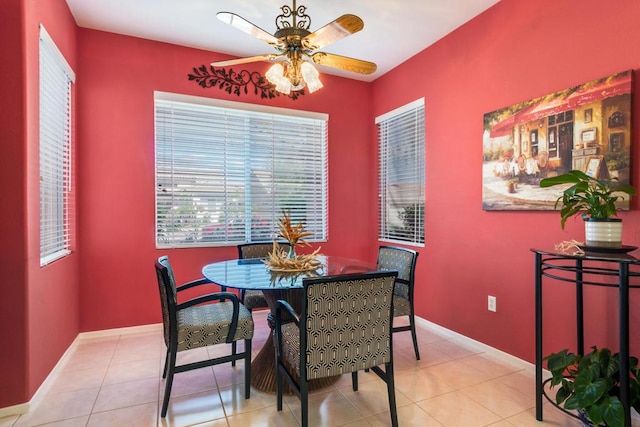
[605,233]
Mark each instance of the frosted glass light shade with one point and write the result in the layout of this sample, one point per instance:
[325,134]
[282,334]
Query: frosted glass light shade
[311,77]
[275,75]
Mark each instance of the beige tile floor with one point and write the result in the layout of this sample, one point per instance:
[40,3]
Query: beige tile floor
[115,380]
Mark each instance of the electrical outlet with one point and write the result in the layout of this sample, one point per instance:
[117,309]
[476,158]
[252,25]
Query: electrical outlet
[491,303]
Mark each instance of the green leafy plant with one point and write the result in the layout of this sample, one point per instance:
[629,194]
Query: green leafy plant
[595,197]
[591,383]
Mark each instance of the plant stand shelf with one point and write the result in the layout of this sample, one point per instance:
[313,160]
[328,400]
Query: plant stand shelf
[596,269]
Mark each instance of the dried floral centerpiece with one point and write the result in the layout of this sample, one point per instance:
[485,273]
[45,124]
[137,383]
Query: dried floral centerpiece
[281,260]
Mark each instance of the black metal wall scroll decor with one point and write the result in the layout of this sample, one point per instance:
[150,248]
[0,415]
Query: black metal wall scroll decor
[237,83]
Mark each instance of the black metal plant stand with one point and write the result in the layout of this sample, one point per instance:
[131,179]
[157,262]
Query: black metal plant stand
[589,269]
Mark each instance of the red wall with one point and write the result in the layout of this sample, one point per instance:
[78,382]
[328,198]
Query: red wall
[513,52]
[13,224]
[116,173]
[52,295]
[39,305]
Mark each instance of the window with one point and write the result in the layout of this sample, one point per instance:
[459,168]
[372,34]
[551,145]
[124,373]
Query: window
[56,78]
[226,170]
[401,144]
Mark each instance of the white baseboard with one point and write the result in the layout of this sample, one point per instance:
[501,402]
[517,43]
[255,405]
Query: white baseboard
[506,357]
[119,331]
[23,408]
[20,409]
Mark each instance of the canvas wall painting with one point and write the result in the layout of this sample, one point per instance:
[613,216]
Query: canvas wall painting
[583,127]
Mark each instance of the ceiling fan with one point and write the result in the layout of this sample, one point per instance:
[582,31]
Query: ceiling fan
[297,47]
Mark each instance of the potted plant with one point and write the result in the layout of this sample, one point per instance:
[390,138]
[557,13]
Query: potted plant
[597,200]
[590,384]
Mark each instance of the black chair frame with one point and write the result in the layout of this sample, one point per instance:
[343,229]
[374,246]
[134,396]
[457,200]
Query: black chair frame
[170,368]
[286,313]
[410,284]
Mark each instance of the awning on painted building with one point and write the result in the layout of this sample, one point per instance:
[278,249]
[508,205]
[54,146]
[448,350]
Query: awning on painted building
[588,93]
[505,127]
[618,85]
[545,108]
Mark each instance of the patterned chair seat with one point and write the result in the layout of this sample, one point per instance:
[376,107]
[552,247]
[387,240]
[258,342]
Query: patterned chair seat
[401,306]
[254,299]
[204,325]
[291,345]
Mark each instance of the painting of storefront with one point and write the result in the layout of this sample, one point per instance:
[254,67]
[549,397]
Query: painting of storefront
[553,134]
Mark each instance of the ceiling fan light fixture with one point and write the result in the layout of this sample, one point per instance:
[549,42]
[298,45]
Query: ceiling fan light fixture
[287,76]
[311,77]
[293,41]
[275,75]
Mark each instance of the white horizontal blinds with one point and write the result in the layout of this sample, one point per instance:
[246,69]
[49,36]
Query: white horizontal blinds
[288,170]
[401,144]
[56,78]
[224,174]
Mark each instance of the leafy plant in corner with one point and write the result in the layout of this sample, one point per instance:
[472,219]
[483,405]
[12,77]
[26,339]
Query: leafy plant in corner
[591,383]
[595,197]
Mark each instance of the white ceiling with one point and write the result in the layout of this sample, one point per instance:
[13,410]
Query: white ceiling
[393,31]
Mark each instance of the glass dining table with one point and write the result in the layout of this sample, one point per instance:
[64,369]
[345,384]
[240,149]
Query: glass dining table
[286,285]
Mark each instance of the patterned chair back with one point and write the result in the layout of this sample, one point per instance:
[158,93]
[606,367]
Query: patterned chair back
[347,323]
[168,298]
[259,250]
[404,262]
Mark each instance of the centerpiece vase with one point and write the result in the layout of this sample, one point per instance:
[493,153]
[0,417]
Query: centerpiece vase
[292,252]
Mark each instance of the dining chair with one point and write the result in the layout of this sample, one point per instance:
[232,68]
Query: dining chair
[200,322]
[403,261]
[255,298]
[344,326]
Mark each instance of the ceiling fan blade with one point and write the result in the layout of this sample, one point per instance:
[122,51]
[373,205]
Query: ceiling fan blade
[344,63]
[245,26]
[333,31]
[265,57]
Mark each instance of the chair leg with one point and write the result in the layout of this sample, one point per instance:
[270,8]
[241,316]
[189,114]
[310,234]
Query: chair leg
[233,353]
[304,402]
[247,368]
[278,385]
[412,323]
[354,380]
[391,391]
[166,364]
[169,382]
